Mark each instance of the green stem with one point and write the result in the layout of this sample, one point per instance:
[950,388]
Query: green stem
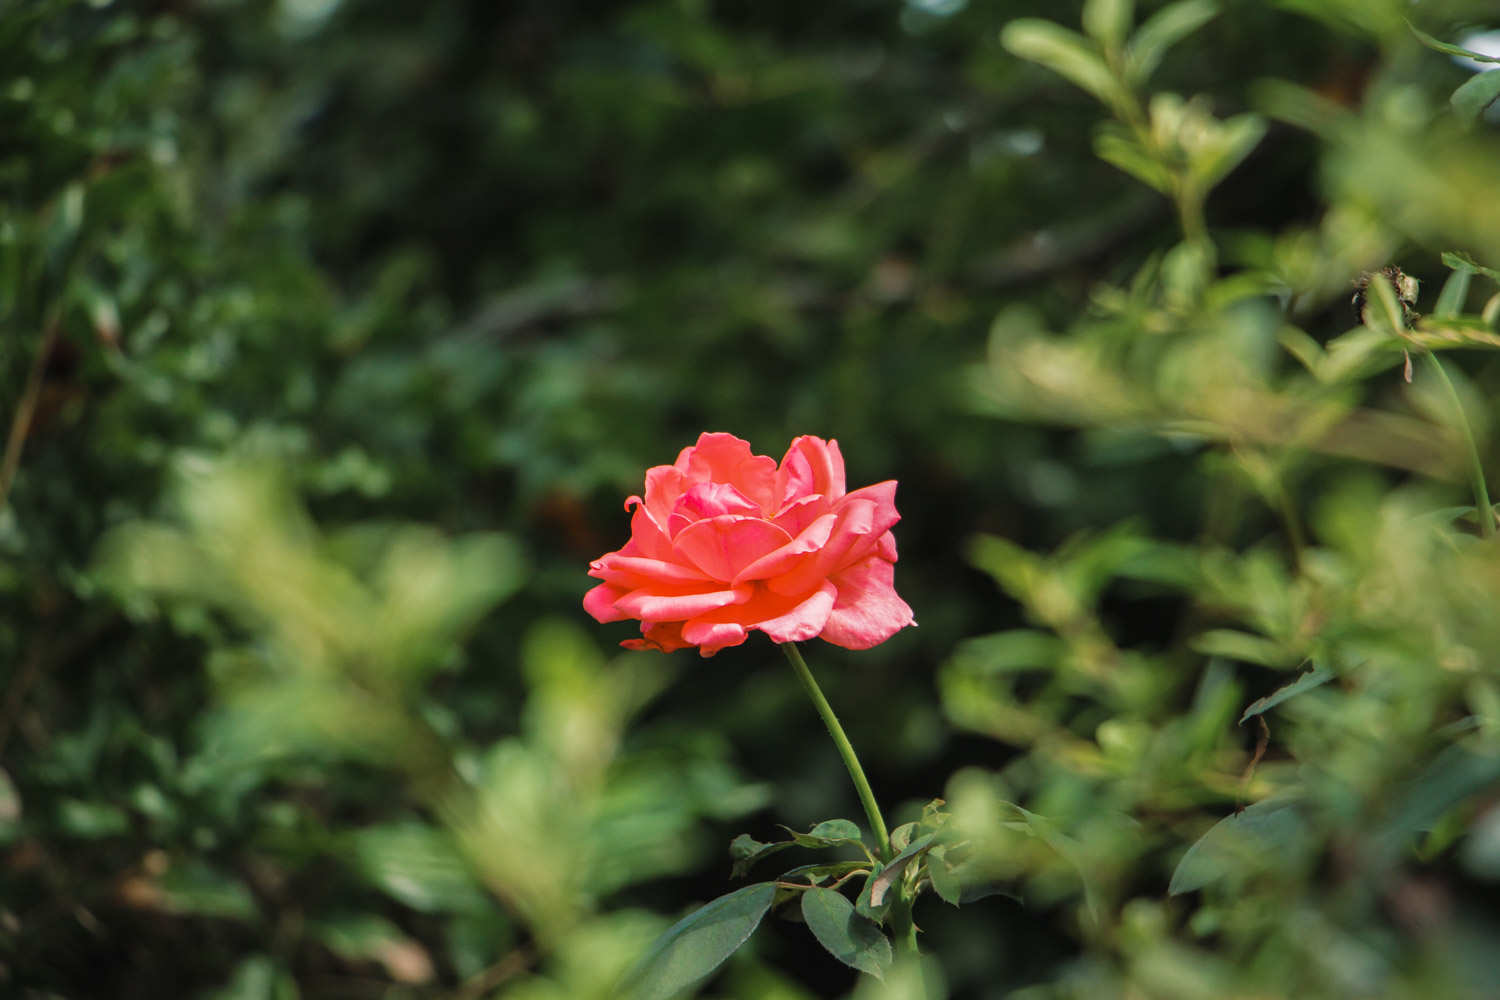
[846,749]
[1485,512]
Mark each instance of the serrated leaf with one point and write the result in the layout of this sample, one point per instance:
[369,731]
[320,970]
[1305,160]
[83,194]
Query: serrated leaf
[1447,49]
[1316,677]
[944,882]
[829,833]
[834,830]
[1252,838]
[1160,32]
[901,836]
[1066,53]
[691,949]
[852,939]
[1470,100]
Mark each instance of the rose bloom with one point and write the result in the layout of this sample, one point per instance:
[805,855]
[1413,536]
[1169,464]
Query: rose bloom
[726,541]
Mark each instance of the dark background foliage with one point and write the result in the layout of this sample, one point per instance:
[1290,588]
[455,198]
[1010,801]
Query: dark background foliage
[477,265]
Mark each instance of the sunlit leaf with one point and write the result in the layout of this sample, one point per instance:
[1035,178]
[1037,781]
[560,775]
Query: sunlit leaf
[1160,32]
[1067,54]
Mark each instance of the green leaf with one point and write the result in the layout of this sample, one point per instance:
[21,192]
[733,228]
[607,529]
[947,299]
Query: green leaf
[1454,776]
[1117,147]
[1161,31]
[192,888]
[1452,50]
[746,851]
[828,833]
[1478,93]
[1066,53]
[1454,294]
[1235,645]
[1316,677]
[944,882]
[852,939]
[419,866]
[257,978]
[1108,21]
[691,949]
[901,836]
[1068,849]
[1454,331]
[1463,262]
[1253,838]
[1237,138]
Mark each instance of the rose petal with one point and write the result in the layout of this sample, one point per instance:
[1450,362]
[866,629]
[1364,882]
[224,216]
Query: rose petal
[797,514]
[664,485]
[651,604]
[635,572]
[855,521]
[805,621]
[883,495]
[710,637]
[811,465]
[724,458]
[647,535]
[784,559]
[868,610]
[664,637]
[600,602]
[721,546]
[712,499]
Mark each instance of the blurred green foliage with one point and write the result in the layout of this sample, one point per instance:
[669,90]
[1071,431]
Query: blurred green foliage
[332,334]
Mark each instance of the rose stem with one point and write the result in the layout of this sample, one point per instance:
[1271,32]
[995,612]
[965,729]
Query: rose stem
[1483,511]
[846,749]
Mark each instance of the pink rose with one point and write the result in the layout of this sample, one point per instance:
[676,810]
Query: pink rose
[726,541]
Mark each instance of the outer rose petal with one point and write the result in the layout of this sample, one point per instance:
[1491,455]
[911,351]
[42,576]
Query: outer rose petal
[710,637]
[664,637]
[806,621]
[783,619]
[868,610]
[650,605]
[635,572]
[600,602]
